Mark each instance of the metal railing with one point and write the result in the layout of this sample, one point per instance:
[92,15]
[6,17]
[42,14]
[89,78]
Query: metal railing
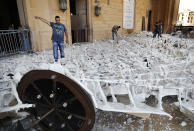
[14,41]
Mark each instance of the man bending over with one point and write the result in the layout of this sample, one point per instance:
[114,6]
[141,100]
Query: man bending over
[115,29]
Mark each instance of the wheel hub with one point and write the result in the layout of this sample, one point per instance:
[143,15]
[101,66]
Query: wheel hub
[60,103]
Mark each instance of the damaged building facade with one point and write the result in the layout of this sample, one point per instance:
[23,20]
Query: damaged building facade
[135,76]
[90,20]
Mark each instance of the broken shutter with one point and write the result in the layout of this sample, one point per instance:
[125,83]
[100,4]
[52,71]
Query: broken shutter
[128,14]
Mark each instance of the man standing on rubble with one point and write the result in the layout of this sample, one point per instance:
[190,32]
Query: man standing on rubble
[59,30]
[158,29]
[115,29]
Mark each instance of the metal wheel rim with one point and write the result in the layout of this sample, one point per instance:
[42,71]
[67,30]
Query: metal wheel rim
[29,81]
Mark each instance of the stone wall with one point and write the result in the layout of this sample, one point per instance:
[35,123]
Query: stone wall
[41,32]
[111,14]
[141,9]
[162,10]
[100,26]
[165,11]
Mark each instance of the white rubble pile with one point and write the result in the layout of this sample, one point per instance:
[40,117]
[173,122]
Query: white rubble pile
[183,123]
[137,67]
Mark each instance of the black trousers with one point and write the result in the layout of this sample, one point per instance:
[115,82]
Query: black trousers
[159,32]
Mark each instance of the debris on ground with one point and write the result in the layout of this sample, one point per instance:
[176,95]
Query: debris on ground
[150,69]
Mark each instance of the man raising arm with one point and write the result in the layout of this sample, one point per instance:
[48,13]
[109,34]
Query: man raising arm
[43,20]
[58,34]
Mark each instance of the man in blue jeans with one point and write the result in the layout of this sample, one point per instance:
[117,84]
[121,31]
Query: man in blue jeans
[59,30]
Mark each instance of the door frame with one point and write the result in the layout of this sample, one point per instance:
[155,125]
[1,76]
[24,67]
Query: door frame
[89,10]
[149,20]
[88,20]
[21,11]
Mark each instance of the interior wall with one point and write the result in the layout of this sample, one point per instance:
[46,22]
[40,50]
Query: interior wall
[41,32]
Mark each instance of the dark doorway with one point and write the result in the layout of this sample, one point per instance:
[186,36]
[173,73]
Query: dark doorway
[79,26]
[8,14]
[13,38]
[149,20]
[143,23]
